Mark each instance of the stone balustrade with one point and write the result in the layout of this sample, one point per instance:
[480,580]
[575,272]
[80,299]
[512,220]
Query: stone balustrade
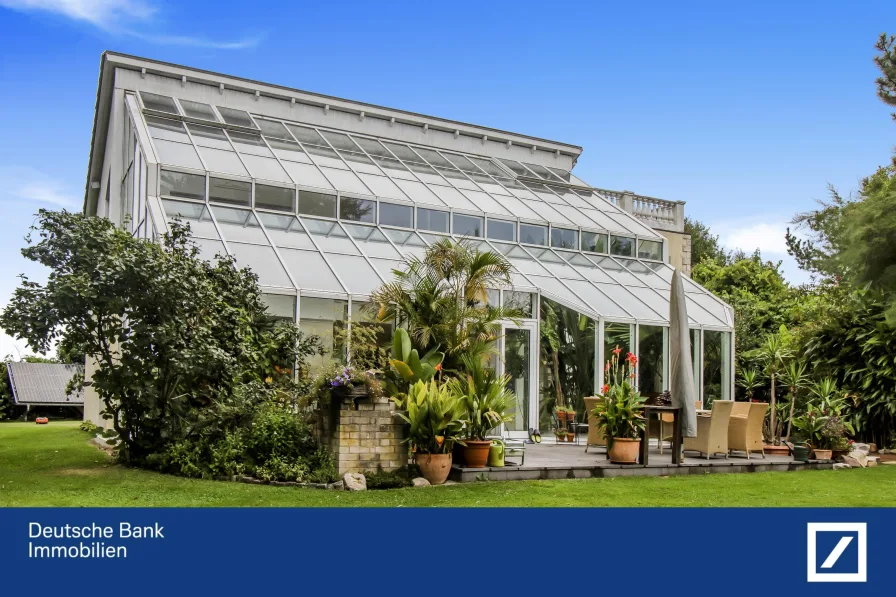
[657,213]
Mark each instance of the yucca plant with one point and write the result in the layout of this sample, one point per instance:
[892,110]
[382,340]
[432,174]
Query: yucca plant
[487,401]
[435,416]
[749,380]
[794,375]
[772,353]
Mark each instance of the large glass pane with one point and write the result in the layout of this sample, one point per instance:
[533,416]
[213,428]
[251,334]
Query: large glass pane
[279,198]
[194,214]
[564,239]
[650,249]
[269,128]
[651,358]
[239,225]
[317,204]
[235,192]
[224,161]
[160,103]
[285,231]
[309,270]
[330,236]
[266,168]
[381,186]
[616,335]
[306,135]
[522,301]
[288,150]
[236,117]
[432,219]
[209,136]
[419,192]
[502,230]
[357,210]
[280,306]
[179,184]
[696,356]
[263,261]
[533,235]
[465,225]
[716,366]
[178,154]
[356,273]
[163,128]
[306,174]
[623,246]
[517,364]
[392,214]
[567,361]
[198,110]
[345,180]
[324,318]
[594,242]
[372,241]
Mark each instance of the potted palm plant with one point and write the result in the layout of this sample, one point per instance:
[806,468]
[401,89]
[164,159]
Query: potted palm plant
[435,418]
[487,402]
[618,413]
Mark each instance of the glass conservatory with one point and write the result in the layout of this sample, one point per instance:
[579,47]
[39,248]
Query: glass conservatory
[325,214]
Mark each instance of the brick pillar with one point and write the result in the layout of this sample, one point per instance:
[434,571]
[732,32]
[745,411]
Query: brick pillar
[363,439]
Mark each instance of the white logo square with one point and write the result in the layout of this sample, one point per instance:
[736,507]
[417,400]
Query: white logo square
[816,573]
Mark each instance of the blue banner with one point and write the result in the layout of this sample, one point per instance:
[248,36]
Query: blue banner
[448,551]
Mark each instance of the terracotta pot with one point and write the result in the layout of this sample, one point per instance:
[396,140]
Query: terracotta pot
[561,417]
[624,450]
[839,454]
[434,467]
[476,453]
[822,454]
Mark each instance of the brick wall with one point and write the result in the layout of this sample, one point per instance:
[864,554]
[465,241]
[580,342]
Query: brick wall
[363,439]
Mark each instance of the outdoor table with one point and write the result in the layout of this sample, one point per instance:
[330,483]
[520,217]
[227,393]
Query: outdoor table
[676,432]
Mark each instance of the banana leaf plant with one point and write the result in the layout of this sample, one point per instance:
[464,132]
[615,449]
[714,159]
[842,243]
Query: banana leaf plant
[407,367]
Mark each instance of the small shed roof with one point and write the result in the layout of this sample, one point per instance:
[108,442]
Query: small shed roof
[43,383]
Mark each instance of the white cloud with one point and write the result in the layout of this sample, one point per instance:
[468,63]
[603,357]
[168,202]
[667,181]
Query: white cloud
[766,233]
[121,17]
[30,185]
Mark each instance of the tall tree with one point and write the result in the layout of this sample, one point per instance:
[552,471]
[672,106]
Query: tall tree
[704,244]
[886,62]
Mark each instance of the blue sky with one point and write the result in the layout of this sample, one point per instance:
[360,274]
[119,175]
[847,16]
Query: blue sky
[745,112]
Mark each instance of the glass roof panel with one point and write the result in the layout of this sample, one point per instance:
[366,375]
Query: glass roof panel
[434,157]
[487,203]
[629,300]
[598,301]
[239,225]
[402,152]
[419,192]
[236,117]
[177,154]
[160,103]
[488,166]
[590,271]
[306,135]
[209,250]
[270,128]
[542,171]
[632,224]
[249,144]
[263,261]
[425,173]
[345,180]
[162,128]
[382,186]
[452,197]
[457,178]
[194,214]
[617,271]
[209,136]
[330,236]
[373,147]
[266,168]
[711,305]
[220,160]
[198,110]
[307,175]
[386,266]
[325,156]
[359,162]
[698,313]
[356,273]
[515,167]
[340,141]
[285,231]
[602,221]
[543,193]
[462,163]
[288,150]
[310,271]
[394,168]
[546,212]
[372,241]
[561,292]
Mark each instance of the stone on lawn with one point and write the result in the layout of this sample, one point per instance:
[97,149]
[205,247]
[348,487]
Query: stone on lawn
[841,466]
[872,461]
[863,448]
[856,459]
[420,482]
[354,482]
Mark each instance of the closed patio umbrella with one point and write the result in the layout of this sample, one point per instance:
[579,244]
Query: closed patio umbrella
[683,393]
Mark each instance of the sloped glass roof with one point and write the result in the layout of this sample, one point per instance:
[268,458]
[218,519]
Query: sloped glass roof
[331,241]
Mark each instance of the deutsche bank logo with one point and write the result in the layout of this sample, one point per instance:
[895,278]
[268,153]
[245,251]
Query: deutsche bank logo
[837,552]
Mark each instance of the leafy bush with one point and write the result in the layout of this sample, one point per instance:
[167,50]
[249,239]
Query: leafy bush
[88,426]
[401,477]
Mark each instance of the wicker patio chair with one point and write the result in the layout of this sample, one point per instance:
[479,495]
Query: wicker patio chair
[712,431]
[595,437]
[745,432]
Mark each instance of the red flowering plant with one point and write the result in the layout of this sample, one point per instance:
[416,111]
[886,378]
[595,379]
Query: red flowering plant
[618,414]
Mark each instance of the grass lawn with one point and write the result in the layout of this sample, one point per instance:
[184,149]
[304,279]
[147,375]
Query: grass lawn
[53,465]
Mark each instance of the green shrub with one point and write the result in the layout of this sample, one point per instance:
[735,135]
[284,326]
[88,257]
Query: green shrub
[402,477]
